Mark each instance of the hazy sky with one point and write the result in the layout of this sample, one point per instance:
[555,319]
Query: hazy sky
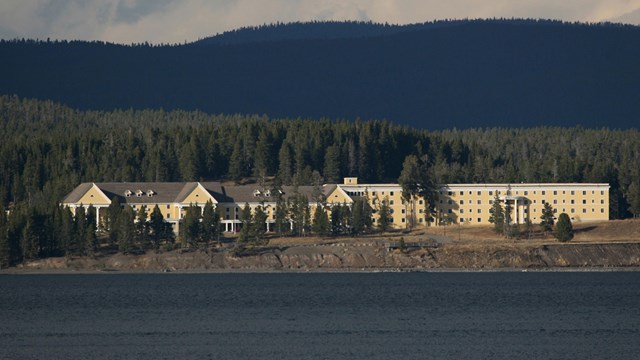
[176,21]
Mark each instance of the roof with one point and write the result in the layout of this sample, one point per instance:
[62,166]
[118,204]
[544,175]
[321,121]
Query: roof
[176,192]
[76,194]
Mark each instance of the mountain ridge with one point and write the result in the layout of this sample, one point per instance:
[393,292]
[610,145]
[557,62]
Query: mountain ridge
[487,73]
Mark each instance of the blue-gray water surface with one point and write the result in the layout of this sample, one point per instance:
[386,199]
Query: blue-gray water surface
[503,315]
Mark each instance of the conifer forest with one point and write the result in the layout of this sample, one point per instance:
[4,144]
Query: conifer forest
[47,149]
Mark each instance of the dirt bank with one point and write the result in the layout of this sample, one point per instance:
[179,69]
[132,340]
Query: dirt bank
[364,256]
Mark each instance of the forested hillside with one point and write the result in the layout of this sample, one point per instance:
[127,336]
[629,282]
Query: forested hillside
[48,149]
[464,74]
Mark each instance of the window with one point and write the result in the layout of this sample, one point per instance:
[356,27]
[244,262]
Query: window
[601,192]
[490,202]
[168,215]
[526,193]
[421,211]
[573,192]
[403,211]
[479,193]
[420,219]
[584,201]
[461,220]
[450,193]
[555,211]
[584,211]
[602,210]
[168,206]
[490,192]
[555,201]
[601,201]
[479,220]
[479,211]
[573,210]
[449,202]
[391,202]
[544,192]
[572,201]
[461,202]
[461,211]
[449,211]
[584,193]
[479,202]
[391,193]
[420,202]
[461,192]
[555,192]
[403,220]
[373,193]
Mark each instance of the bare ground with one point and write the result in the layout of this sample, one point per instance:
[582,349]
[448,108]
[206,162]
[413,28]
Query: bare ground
[596,245]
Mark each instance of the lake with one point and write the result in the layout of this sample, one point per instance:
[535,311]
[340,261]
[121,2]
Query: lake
[439,315]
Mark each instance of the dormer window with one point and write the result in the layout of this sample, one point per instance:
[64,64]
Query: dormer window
[127,193]
[267,193]
[139,193]
[150,193]
[256,193]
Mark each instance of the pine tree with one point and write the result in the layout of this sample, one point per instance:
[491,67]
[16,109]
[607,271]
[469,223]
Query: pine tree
[112,221]
[157,227]
[564,229]
[281,219]
[384,215]
[321,224]
[90,238]
[259,224]
[336,219]
[247,230]
[141,237]
[126,230]
[191,227]
[497,217]
[546,218]
[210,224]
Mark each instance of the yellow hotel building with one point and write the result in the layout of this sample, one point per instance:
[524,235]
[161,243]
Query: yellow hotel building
[464,204]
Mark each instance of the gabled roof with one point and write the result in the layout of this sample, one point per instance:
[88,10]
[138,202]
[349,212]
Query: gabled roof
[163,192]
[76,194]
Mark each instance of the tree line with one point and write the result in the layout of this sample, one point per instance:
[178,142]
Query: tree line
[48,149]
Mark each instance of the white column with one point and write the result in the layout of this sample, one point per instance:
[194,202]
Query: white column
[515,210]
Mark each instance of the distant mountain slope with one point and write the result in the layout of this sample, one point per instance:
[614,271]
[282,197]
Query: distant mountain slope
[449,74]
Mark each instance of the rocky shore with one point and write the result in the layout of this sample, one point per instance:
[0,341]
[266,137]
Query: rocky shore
[366,256]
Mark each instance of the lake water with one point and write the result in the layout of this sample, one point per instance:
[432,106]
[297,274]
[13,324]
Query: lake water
[503,315]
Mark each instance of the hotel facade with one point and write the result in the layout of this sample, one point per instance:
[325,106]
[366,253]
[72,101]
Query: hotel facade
[464,204]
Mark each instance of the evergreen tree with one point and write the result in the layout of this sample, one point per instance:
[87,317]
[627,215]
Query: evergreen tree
[141,237]
[497,217]
[260,225]
[157,227]
[321,224]
[508,221]
[384,215]
[336,219]
[191,227]
[282,225]
[77,241]
[90,243]
[564,229]
[126,230]
[112,221]
[416,183]
[247,230]
[210,224]
[4,241]
[546,218]
[332,164]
